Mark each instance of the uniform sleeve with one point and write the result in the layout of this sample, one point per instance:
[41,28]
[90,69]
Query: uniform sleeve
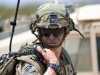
[23,68]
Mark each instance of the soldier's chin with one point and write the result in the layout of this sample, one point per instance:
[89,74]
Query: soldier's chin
[53,44]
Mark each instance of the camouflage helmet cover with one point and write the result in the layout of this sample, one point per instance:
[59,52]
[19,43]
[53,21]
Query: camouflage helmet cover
[41,19]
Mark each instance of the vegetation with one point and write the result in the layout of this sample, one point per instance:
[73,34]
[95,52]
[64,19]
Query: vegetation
[8,12]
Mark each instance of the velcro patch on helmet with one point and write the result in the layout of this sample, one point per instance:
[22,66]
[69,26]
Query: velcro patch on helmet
[45,22]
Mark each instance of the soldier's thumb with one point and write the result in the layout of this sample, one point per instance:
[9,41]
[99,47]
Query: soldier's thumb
[40,49]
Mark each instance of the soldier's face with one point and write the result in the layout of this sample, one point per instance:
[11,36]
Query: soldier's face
[52,37]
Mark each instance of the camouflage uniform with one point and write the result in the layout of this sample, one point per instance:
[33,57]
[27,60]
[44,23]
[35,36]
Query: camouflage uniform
[30,65]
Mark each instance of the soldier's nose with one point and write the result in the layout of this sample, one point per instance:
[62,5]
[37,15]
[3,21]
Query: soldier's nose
[51,36]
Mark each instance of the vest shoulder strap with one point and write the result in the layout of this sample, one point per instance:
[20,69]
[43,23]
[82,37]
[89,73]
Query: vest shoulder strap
[68,59]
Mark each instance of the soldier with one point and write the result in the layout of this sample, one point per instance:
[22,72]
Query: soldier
[51,25]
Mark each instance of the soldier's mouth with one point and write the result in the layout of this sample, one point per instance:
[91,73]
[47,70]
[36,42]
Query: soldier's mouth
[52,43]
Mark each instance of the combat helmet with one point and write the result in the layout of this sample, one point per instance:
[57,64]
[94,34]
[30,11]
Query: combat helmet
[52,15]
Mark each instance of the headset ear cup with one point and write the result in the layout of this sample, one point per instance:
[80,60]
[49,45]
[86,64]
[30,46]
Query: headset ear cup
[32,31]
[30,26]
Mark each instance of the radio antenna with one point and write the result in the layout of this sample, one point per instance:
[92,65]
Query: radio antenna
[13,24]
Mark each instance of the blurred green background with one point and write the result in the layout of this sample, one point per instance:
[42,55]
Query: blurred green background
[8,12]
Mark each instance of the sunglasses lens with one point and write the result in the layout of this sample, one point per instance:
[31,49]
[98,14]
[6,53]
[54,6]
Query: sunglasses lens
[45,32]
[48,32]
[58,32]
[46,35]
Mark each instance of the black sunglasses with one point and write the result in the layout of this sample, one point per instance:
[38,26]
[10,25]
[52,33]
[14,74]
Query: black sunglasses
[47,32]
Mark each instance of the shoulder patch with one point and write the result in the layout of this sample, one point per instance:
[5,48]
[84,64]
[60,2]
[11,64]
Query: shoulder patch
[29,70]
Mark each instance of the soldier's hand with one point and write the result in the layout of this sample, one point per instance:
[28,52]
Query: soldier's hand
[48,55]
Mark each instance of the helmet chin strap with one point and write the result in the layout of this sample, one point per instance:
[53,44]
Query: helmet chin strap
[56,46]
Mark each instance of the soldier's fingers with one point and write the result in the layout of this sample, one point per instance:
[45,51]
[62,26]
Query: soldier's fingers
[47,50]
[40,49]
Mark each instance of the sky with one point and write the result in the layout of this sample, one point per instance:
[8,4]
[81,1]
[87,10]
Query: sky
[12,3]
